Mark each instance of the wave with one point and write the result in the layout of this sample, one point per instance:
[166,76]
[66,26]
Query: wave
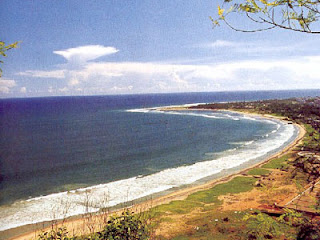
[139,110]
[217,114]
[244,143]
[209,114]
[94,198]
[249,118]
[158,109]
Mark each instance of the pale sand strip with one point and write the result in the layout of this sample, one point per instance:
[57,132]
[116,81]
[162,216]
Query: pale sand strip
[81,225]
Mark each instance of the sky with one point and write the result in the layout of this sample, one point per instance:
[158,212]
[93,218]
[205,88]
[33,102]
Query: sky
[103,47]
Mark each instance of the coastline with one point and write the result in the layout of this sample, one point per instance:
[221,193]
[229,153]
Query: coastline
[76,224]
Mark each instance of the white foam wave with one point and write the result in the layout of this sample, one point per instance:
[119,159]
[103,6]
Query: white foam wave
[213,115]
[249,118]
[158,109]
[182,105]
[140,110]
[91,199]
[249,143]
[207,114]
[271,121]
[245,143]
[193,114]
[232,149]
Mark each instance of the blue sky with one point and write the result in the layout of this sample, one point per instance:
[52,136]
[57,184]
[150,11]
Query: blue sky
[76,47]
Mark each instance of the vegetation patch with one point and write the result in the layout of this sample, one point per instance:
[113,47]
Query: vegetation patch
[249,225]
[215,225]
[177,207]
[311,139]
[258,171]
[263,226]
[277,163]
[236,185]
[166,219]
[180,238]
[127,226]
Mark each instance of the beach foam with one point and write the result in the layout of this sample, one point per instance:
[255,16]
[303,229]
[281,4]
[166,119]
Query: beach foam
[209,114]
[92,199]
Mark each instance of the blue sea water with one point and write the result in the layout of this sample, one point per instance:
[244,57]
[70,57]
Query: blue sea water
[68,145]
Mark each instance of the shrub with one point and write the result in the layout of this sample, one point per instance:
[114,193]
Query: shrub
[54,234]
[261,226]
[128,226]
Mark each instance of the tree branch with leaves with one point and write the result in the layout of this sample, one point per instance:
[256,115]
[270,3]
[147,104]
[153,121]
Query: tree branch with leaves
[4,48]
[295,15]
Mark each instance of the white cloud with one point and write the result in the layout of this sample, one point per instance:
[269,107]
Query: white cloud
[260,47]
[122,89]
[86,53]
[151,77]
[6,85]
[59,74]
[73,82]
[222,43]
[155,77]
[65,89]
[23,90]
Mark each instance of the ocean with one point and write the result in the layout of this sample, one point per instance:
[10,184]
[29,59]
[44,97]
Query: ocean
[58,152]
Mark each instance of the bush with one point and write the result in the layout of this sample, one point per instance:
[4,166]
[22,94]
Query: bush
[59,234]
[261,226]
[128,226]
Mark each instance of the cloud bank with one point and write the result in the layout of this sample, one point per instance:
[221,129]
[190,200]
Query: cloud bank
[6,85]
[153,77]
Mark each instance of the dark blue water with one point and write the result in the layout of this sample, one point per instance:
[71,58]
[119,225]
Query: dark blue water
[61,143]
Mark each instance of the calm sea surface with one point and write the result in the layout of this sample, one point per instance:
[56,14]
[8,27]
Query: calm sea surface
[120,147]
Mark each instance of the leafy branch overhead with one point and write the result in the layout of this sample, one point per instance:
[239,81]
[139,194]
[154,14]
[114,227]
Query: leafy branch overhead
[295,15]
[4,48]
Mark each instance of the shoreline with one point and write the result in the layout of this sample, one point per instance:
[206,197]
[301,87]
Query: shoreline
[76,224]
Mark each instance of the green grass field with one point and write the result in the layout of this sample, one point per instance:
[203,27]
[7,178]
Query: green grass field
[209,197]
[258,171]
[277,163]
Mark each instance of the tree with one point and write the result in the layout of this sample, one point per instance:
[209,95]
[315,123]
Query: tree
[4,48]
[295,15]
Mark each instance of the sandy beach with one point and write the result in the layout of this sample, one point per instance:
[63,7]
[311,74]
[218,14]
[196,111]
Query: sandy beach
[93,222]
